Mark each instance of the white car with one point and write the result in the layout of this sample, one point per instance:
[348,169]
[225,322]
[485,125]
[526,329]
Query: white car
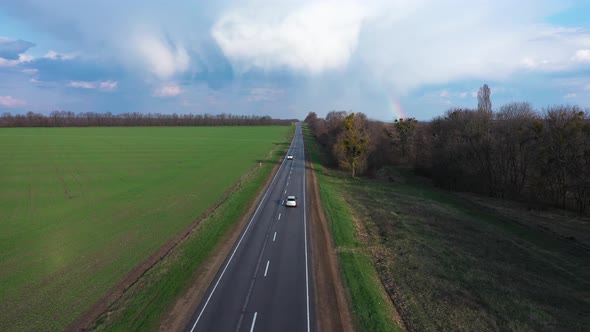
[291,201]
[290,157]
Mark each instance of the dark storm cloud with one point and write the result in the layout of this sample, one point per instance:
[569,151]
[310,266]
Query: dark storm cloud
[11,48]
[77,69]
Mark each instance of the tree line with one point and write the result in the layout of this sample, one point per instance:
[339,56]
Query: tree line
[514,152]
[92,119]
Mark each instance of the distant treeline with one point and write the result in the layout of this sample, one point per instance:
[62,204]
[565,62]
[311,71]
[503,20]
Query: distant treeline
[514,152]
[91,119]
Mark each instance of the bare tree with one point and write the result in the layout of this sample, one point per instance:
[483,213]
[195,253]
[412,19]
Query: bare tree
[484,102]
[561,160]
[514,141]
[380,152]
[402,134]
[85,119]
[328,130]
[462,151]
[311,119]
[515,153]
[352,146]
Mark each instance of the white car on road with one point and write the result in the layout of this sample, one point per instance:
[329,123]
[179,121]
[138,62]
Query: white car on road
[290,157]
[291,201]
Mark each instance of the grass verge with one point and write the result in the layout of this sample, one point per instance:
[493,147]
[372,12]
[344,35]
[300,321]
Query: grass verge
[371,308]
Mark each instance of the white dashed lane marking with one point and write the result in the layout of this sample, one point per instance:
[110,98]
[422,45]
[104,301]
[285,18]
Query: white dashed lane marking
[266,270]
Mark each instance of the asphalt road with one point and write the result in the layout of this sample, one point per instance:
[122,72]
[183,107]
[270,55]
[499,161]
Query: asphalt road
[265,282]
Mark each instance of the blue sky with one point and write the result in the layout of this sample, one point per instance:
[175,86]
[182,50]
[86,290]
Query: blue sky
[386,58]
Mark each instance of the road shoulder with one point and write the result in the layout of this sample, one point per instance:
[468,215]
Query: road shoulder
[332,309]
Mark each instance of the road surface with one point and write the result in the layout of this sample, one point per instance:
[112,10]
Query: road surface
[265,282]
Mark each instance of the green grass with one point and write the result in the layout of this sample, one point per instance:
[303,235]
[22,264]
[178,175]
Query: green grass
[80,207]
[369,303]
[339,213]
[454,266]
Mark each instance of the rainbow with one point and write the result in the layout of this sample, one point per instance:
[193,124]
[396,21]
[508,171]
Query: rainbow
[396,107]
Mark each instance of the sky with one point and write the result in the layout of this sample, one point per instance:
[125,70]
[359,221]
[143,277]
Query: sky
[385,58]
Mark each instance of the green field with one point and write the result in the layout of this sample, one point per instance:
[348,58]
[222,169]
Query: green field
[80,207]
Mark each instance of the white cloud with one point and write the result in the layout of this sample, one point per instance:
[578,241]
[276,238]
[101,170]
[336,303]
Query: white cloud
[22,58]
[444,93]
[570,96]
[403,43]
[108,85]
[82,85]
[374,47]
[434,45]
[30,71]
[144,36]
[11,102]
[535,63]
[529,62]
[103,86]
[265,94]
[311,37]
[161,59]
[463,95]
[7,63]
[582,56]
[53,55]
[170,90]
